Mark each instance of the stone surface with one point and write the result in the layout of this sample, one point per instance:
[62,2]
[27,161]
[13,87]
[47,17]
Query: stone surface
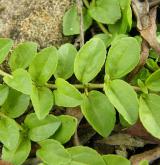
[33,20]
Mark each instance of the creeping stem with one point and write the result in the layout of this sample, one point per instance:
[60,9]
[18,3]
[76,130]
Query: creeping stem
[2,73]
[78,86]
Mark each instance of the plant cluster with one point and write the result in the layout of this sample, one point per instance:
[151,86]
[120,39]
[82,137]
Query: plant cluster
[43,77]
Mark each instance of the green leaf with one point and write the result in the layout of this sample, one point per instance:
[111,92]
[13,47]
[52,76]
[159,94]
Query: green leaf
[90,60]
[107,39]
[99,112]
[123,122]
[23,55]
[144,162]
[44,65]
[9,132]
[143,74]
[20,81]
[42,100]
[4,90]
[19,155]
[71,21]
[149,113]
[152,65]
[102,11]
[142,86]
[117,38]
[52,151]
[153,81]
[123,56]
[124,98]
[66,94]
[41,129]
[16,104]
[123,25]
[5,46]
[85,156]
[66,57]
[115,160]
[67,129]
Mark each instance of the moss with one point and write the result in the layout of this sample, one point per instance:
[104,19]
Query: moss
[33,20]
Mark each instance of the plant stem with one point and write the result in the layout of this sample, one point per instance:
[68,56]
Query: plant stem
[80,13]
[79,86]
[86,3]
[90,86]
[101,26]
[2,73]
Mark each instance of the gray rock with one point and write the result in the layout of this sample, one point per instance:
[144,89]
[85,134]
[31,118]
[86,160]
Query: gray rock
[33,20]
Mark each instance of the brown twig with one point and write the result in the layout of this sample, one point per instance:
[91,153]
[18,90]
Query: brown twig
[146,24]
[153,3]
[138,130]
[76,112]
[150,155]
[80,13]
[149,33]
[4,163]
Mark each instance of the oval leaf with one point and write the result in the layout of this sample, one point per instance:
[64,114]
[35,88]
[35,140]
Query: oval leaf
[66,57]
[124,98]
[71,21]
[44,65]
[153,81]
[52,151]
[67,129]
[5,46]
[149,113]
[41,129]
[90,60]
[102,11]
[115,159]
[123,56]
[123,25]
[4,90]
[20,81]
[85,156]
[18,155]
[66,94]
[16,104]
[9,132]
[106,38]
[99,112]
[23,55]
[42,100]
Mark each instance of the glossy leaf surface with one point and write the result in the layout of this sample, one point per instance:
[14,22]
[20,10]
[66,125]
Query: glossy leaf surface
[42,100]
[41,129]
[149,114]
[123,56]
[66,57]
[44,65]
[67,128]
[99,112]
[23,55]
[20,81]
[124,98]
[66,94]
[90,60]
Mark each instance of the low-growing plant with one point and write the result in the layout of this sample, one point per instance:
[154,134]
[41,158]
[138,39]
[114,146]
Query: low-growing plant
[44,78]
